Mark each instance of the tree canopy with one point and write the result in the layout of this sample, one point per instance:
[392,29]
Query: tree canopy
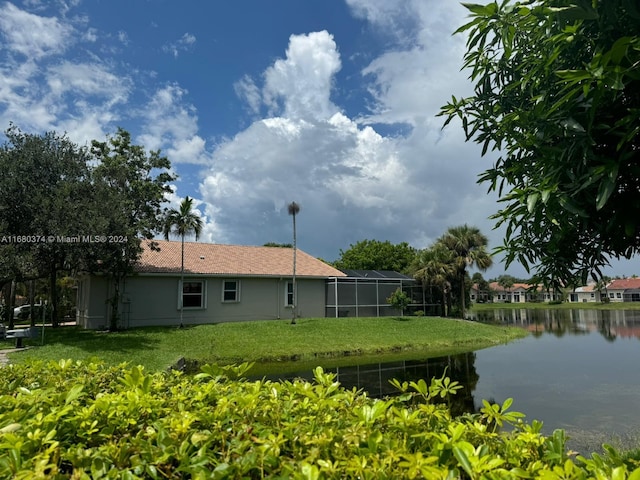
[377,255]
[444,264]
[468,249]
[557,93]
[44,194]
[69,208]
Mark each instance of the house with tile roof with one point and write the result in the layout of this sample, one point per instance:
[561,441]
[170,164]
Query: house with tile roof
[517,293]
[624,290]
[222,283]
[585,294]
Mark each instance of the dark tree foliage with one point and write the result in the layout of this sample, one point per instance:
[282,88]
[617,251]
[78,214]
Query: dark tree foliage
[130,185]
[479,280]
[377,255]
[444,265]
[468,248]
[44,194]
[434,267]
[557,93]
[64,208]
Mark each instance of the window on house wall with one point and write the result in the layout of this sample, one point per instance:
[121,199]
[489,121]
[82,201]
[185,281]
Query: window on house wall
[618,295]
[610,294]
[231,291]
[193,294]
[288,297]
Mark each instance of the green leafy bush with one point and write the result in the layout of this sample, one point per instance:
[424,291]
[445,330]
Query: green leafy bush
[86,420]
[399,299]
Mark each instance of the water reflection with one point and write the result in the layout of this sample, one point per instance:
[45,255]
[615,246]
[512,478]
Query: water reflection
[374,378]
[577,371]
[611,324]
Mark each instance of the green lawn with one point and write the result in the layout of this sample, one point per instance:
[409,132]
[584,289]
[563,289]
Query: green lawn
[268,341]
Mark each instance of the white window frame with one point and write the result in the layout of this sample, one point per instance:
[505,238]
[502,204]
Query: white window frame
[202,294]
[288,294]
[236,290]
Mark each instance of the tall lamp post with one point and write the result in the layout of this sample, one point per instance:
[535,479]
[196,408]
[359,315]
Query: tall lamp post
[294,208]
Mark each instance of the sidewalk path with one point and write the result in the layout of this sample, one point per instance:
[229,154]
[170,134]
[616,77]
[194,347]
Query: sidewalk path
[4,359]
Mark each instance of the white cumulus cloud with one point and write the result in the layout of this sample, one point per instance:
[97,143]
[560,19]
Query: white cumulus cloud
[299,86]
[351,181]
[31,35]
[171,125]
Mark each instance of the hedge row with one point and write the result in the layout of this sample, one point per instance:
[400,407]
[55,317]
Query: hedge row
[87,420]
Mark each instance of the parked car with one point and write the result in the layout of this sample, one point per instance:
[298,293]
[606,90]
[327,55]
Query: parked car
[23,312]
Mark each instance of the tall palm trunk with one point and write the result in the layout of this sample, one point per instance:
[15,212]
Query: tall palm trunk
[293,286]
[293,209]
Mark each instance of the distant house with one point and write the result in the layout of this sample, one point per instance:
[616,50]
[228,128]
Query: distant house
[585,294]
[624,290]
[518,293]
[222,283]
[478,295]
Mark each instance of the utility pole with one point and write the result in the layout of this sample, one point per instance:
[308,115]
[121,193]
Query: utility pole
[294,208]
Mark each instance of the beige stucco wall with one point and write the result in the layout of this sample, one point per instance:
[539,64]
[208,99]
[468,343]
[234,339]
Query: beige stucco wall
[93,310]
[584,297]
[153,300]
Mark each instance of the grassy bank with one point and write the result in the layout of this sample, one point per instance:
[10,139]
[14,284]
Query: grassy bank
[479,307]
[268,341]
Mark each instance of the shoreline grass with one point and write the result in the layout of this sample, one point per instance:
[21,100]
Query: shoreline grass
[269,341]
[480,307]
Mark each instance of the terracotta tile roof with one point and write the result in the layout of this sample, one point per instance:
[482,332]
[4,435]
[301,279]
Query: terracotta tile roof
[624,284]
[216,259]
[587,288]
[516,286]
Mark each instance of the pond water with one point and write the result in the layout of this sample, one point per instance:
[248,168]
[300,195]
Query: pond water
[579,370]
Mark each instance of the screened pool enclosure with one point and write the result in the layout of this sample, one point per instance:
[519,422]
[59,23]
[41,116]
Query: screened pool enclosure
[364,293]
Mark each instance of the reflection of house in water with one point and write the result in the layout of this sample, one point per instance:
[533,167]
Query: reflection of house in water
[608,323]
[375,378]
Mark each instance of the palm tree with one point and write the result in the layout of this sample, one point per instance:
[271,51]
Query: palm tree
[434,267]
[293,209]
[469,248]
[182,222]
[601,285]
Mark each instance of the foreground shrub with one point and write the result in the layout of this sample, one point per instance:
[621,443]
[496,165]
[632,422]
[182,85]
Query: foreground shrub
[76,420]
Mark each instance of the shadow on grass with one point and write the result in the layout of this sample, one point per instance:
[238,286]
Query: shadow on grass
[91,340]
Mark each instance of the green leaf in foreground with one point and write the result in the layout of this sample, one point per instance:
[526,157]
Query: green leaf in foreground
[87,420]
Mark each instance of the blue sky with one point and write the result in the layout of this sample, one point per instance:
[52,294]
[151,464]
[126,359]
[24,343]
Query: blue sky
[329,103]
